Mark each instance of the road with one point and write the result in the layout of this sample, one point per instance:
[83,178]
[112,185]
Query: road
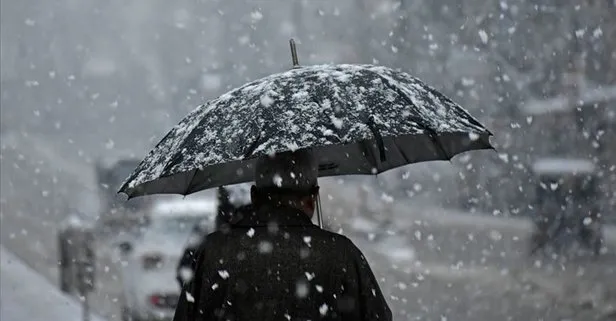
[462,271]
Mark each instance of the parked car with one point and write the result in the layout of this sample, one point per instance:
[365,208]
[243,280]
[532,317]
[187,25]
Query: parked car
[148,264]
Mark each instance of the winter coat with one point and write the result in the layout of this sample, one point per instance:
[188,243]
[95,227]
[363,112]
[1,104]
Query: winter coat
[275,264]
[188,259]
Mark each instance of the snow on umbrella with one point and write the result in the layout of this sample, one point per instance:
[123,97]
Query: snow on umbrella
[357,119]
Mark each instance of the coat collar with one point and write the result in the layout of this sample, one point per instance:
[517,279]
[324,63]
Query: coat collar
[265,215]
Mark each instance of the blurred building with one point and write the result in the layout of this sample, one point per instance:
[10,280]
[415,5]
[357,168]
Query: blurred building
[580,126]
[583,126]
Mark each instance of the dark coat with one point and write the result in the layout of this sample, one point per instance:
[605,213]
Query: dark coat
[277,265]
[188,258]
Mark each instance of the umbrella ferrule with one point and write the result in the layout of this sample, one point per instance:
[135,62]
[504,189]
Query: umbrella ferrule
[294,57]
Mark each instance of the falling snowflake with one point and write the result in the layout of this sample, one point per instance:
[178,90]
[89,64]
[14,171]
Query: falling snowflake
[307,240]
[266,100]
[309,276]
[418,235]
[189,297]
[387,198]
[323,309]
[495,235]
[109,144]
[186,274]
[337,122]
[319,288]
[277,180]
[301,290]
[272,227]
[484,36]
[256,15]
[251,232]
[265,247]
[214,286]
[223,274]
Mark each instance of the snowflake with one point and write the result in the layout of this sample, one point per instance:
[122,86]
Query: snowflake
[223,274]
[323,309]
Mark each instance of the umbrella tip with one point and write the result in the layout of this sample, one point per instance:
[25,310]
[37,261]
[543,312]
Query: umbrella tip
[294,58]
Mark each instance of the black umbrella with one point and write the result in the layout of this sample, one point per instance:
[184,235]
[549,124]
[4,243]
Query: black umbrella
[358,119]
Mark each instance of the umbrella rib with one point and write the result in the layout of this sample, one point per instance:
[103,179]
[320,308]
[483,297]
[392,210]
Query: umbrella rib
[406,158]
[252,146]
[378,138]
[333,128]
[431,132]
[190,182]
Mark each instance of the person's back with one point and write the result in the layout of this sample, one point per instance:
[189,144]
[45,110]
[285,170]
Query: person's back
[275,264]
[272,267]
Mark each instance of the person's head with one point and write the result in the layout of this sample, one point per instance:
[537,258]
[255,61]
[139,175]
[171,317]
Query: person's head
[287,179]
[231,200]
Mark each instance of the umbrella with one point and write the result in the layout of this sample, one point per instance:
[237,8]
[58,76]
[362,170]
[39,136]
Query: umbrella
[357,119]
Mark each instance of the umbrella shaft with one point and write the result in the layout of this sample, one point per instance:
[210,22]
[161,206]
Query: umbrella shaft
[319,211]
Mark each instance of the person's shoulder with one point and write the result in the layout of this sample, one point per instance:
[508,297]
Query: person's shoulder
[210,238]
[338,238]
[213,236]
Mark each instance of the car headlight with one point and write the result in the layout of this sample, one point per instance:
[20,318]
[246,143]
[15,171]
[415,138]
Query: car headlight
[152,261]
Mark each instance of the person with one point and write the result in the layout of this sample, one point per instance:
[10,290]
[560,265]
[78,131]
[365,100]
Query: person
[590,231]
[275,264]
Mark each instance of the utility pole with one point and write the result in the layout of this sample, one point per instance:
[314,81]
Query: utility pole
[85,269]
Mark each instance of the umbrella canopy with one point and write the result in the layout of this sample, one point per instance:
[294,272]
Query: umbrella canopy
[357,119]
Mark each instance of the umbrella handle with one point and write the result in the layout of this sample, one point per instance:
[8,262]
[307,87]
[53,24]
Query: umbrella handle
[319,211]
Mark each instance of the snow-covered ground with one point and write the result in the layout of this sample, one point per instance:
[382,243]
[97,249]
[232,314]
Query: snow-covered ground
[26,295]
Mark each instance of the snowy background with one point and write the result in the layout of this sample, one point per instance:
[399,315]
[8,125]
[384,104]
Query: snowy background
[88,80]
